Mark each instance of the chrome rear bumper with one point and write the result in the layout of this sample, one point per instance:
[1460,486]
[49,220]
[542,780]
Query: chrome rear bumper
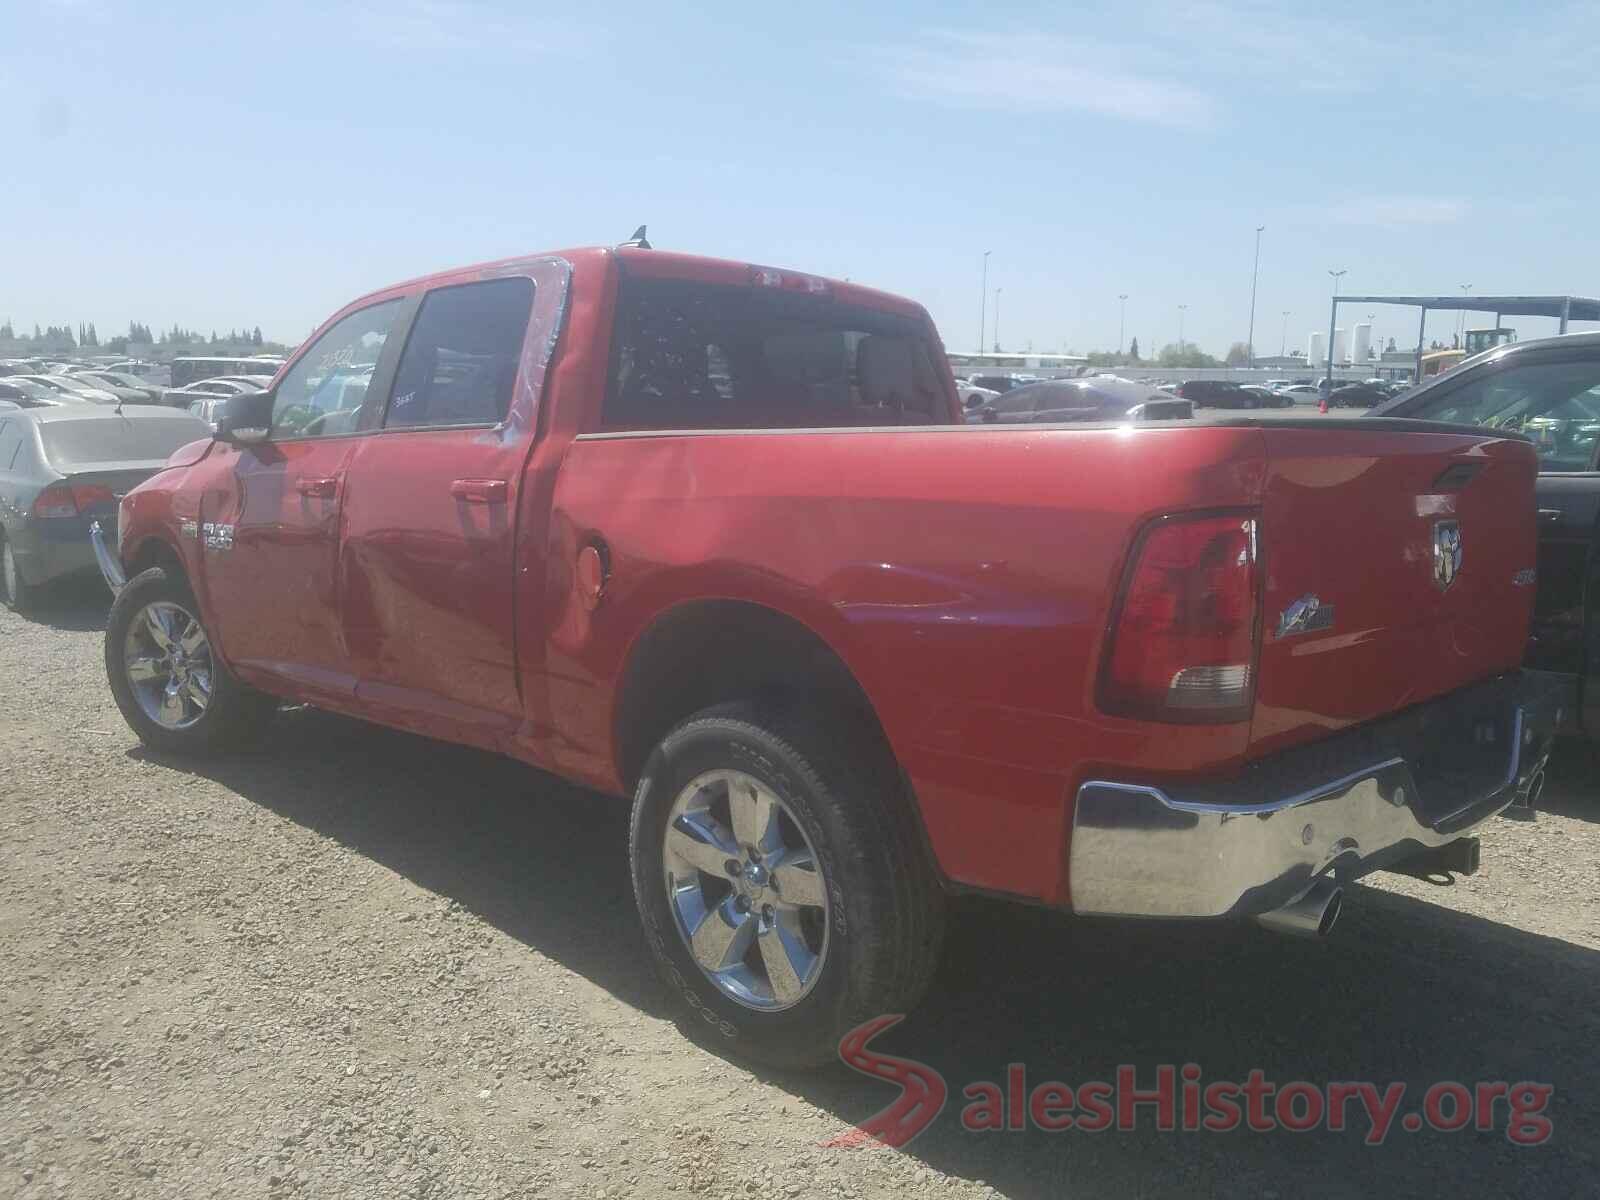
[1343,807]
[106,559]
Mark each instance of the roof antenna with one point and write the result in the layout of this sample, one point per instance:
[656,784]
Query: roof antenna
[638,239]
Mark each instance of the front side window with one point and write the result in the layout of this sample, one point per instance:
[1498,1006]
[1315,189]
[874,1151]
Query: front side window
[460,361]
[322,393]
[704,356]
[1557,404]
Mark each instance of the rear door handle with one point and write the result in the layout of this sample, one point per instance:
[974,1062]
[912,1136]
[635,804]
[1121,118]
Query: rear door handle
[479,491]
[1549,516]
[324,489]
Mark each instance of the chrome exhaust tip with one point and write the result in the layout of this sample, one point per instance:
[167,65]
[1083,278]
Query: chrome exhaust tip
[1311,915]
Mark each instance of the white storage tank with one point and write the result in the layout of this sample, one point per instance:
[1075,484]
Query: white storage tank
[1339,347]
[1361,347]
[1316,351]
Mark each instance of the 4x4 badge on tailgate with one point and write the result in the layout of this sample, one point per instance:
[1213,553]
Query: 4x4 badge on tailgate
[1446,553]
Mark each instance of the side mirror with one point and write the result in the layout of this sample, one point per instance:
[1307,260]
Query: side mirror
[246,420]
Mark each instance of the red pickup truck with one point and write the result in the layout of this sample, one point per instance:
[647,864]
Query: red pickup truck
[714,536]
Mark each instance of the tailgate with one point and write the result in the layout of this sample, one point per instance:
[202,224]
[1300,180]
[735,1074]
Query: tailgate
[1398,567]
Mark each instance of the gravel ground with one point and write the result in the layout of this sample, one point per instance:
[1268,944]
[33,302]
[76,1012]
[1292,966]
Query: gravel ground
[357,963]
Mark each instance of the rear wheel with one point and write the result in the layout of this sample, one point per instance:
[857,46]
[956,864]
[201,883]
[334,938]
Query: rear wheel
[780,882]
[19,595]
[164,676]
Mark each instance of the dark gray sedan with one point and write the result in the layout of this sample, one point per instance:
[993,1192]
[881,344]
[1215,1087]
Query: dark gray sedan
[63,467]
[1097,398]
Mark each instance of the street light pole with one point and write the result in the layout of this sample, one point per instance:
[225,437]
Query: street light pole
[1461,317]
[997,292]
[1333,315]
[1283,342]
[1182,308]
[1250,342]
[1122,321]
[983,301]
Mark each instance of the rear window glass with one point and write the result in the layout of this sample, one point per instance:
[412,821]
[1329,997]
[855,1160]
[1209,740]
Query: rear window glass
[703,356]
[71,444]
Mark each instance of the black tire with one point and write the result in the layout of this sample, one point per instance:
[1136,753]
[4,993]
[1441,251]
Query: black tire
[19,595]
[235,714]
[885,920]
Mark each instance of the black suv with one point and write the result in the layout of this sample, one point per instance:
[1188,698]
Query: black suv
[1547,390]
[1217,393]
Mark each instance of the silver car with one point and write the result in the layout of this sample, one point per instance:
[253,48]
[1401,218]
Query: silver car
[63,467]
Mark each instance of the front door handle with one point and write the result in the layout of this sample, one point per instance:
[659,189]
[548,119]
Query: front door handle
[322,489]
[479,491]
[1549,516]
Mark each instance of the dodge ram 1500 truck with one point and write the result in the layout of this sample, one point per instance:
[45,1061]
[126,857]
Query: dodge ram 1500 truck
[714,536]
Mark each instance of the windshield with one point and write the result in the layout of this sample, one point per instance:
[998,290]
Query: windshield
[72,445]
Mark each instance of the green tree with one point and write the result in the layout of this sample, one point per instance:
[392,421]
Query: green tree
[1133,351]
[255,336]
[1187,355]
[1238,355]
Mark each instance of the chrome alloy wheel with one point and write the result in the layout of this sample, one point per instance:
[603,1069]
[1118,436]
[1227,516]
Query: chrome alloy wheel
[746,890]
[168,662]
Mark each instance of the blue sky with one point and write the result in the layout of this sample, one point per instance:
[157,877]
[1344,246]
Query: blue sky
[219,165]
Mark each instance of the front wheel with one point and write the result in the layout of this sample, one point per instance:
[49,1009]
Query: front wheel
[164,677]
[780,882]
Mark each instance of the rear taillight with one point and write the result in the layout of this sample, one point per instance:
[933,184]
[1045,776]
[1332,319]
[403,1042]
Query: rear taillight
[1183,638]
[68,500]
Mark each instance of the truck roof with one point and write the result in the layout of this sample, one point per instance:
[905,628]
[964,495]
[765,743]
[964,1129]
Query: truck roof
[667,264]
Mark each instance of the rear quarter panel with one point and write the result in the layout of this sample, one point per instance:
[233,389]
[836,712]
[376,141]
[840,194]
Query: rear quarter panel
[964,575]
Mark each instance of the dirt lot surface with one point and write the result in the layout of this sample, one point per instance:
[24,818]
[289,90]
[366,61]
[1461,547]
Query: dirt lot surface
[358,963]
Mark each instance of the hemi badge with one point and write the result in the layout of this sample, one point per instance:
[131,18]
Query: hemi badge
[1525,577]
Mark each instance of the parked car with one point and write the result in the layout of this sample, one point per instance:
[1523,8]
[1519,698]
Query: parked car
[211,389]
[25,393]
[688,531]
[973,398]
[1217,393]
[192,368]
[120,392]
[208,409]
[69,388]
[1100,398]
[153,393]
[61,467]
[1266,397]
[1547,390]
[1358,395]
[999,383]
[1300,393]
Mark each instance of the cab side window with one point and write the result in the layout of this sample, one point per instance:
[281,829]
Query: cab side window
[1557,404]
[461,358]
[322,393]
